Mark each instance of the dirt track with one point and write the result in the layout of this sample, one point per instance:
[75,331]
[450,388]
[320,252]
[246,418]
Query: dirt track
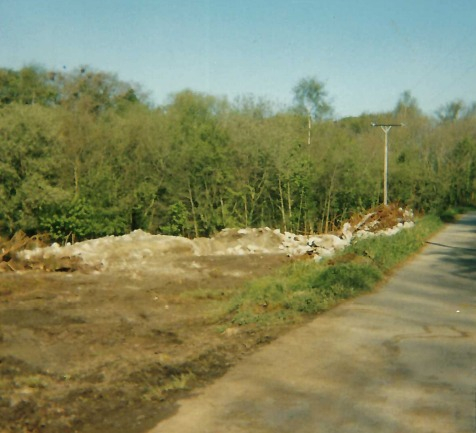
[111,352]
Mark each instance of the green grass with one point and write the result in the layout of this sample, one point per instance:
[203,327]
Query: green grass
[388,251]
[450,215]
[306,288]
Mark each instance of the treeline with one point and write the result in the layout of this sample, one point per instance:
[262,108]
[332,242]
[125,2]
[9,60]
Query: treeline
[83,154]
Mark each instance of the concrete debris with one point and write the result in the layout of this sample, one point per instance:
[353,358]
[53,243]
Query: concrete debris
[141,249]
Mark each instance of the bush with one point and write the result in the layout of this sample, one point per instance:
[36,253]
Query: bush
[345,279]
[77,220]
[72,221]
[177,220]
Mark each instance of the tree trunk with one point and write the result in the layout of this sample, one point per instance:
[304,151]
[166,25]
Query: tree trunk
[290,204]
[223,216]
[329,197]
[281,200]
[190,196]
[76,177]
[301,201]
[245,204]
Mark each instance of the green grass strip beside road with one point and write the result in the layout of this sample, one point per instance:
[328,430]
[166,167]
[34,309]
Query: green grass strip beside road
[306,288]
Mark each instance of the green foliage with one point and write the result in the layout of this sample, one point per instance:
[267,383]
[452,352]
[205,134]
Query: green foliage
[178,218]
[463,175]
[304,288]
[311,98]
[407,106]
[345,279]
[388,251]
[200,163]
[76,220]
[31,85]
[451,111]
[71,221]
[449,215]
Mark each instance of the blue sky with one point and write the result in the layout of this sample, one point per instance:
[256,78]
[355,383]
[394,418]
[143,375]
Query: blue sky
[365,52]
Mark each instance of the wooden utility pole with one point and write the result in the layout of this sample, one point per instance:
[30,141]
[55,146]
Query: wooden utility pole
[386,127]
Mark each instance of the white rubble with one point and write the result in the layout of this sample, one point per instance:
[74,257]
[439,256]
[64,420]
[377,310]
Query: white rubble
[139,248]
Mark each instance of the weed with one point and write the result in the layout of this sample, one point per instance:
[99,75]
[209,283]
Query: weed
[34,381]
[152,391]
[178,382]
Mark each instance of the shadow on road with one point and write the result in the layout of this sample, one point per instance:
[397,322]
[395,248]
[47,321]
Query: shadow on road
[450,246]
[458,251]
[462,260]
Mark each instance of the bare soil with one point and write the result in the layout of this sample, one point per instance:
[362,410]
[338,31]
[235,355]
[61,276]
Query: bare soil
[127,325]
[113,351]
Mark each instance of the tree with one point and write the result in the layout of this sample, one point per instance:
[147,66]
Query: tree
[28,165]
[462,159]
[30,85]
[310,98]
[84,155]
[451,111]
[407,106]
[199,158]
[470,110]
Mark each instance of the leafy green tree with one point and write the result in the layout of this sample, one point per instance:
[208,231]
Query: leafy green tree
[310,98]
[67,221]
[84,155]
[177,220]
[199,147]
[30,85]
[463,172]
[28,162]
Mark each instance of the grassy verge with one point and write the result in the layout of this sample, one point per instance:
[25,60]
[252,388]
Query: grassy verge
[451,215]
[306,288]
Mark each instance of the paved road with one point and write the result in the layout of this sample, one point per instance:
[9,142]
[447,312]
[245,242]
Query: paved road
[399,360]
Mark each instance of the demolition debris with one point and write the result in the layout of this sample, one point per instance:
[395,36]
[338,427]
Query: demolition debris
[141,249]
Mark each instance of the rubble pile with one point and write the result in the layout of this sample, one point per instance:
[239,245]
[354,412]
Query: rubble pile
[141,249]
[19,242]
[384,220]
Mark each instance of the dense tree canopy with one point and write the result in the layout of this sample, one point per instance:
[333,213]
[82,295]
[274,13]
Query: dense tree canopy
[83,154]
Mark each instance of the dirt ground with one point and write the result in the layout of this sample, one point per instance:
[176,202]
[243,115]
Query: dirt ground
[112,351]
[127,325]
